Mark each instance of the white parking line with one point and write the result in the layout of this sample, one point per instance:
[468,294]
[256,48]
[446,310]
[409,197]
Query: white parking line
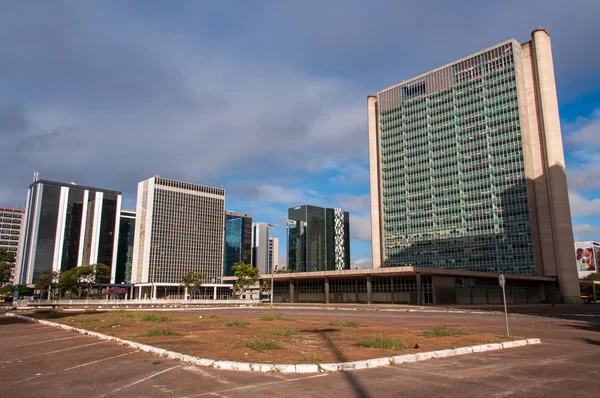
[411,369]
[55,351]
[100,360]
[140,381]
[45,341]
[74,367]
[257,385]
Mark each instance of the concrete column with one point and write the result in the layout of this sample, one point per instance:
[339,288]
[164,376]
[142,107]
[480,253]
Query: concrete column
[234,291]
[260,290]
[392,288]
[326,290]
[140,292]
[154,290]
[419,292]
[560,210]
[291,290]
[374,172]
[356,289]
[594,291]
[215,293]
[369,289]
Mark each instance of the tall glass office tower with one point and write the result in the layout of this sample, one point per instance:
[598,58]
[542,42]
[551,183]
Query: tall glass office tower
[318,239]
[238,240]
[66,226]
[124,263]
[467,168]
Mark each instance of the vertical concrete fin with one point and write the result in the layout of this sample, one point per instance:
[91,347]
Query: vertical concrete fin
[374,176]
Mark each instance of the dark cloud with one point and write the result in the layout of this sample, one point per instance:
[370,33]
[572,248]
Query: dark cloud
[112,93]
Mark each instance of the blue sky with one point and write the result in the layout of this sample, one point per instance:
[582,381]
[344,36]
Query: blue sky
[264,98]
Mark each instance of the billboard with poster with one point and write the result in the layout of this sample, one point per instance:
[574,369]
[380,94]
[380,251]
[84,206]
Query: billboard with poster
[587,257]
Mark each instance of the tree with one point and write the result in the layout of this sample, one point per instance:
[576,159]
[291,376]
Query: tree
[116,292]
[7,258]
[586,290]
[5,272]
[46,281]
[7,290]
[266,287]
[246,275]
[68,281]
[192,281]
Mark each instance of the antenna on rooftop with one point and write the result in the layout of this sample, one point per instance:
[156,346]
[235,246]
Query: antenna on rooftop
[36,176]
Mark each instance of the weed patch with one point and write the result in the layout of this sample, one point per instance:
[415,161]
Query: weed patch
[158,332]
[237,322]
[314,358]
[346,324]
[280,332]
[275,317]
[444,331]
[263,345]
[382,342]
[154,318]
[113,325]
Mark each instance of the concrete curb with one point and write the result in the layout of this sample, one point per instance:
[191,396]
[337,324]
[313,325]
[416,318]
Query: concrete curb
[289,368]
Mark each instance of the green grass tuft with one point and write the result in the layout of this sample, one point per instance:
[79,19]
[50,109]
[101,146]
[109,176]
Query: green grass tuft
[263,345]
[444,331]
[158,332]
[346,324]
[382,342]
[155,318]
[280,332]
[273,316]
[84,320]
[237,322]
[313,358]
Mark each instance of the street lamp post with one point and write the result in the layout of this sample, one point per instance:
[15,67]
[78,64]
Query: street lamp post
[272,259]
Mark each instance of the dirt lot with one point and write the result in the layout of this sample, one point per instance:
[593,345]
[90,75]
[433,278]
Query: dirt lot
[266,337]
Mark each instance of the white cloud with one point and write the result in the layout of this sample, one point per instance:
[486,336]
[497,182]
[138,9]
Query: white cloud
[358,204]
[362,263]
[584,132]
[586,232]
[581,206]
[360,227]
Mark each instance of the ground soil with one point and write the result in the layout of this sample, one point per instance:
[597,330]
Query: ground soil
[206,335]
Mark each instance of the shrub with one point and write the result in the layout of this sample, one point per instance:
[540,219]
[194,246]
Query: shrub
[158,332]
[382,342]
[238,322]
[444,331]
[262,345]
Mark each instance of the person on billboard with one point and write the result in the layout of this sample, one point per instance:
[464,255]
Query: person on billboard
[579,255]
[588,259]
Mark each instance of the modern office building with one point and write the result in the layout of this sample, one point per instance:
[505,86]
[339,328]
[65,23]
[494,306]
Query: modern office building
[122,270]
[318,239]
[467,168]
[273,253]
[66,226]
[261,246]
[238,240]
[10,228]
[179,227]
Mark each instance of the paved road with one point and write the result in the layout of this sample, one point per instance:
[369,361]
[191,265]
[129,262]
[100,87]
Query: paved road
[43,361]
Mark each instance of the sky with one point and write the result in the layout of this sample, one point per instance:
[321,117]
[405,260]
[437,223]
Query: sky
[265,98]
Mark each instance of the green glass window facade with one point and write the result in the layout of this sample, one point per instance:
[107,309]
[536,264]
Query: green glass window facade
[453,178]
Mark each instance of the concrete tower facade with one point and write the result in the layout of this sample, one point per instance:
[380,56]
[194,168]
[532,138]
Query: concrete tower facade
[467,168]
[179,227]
